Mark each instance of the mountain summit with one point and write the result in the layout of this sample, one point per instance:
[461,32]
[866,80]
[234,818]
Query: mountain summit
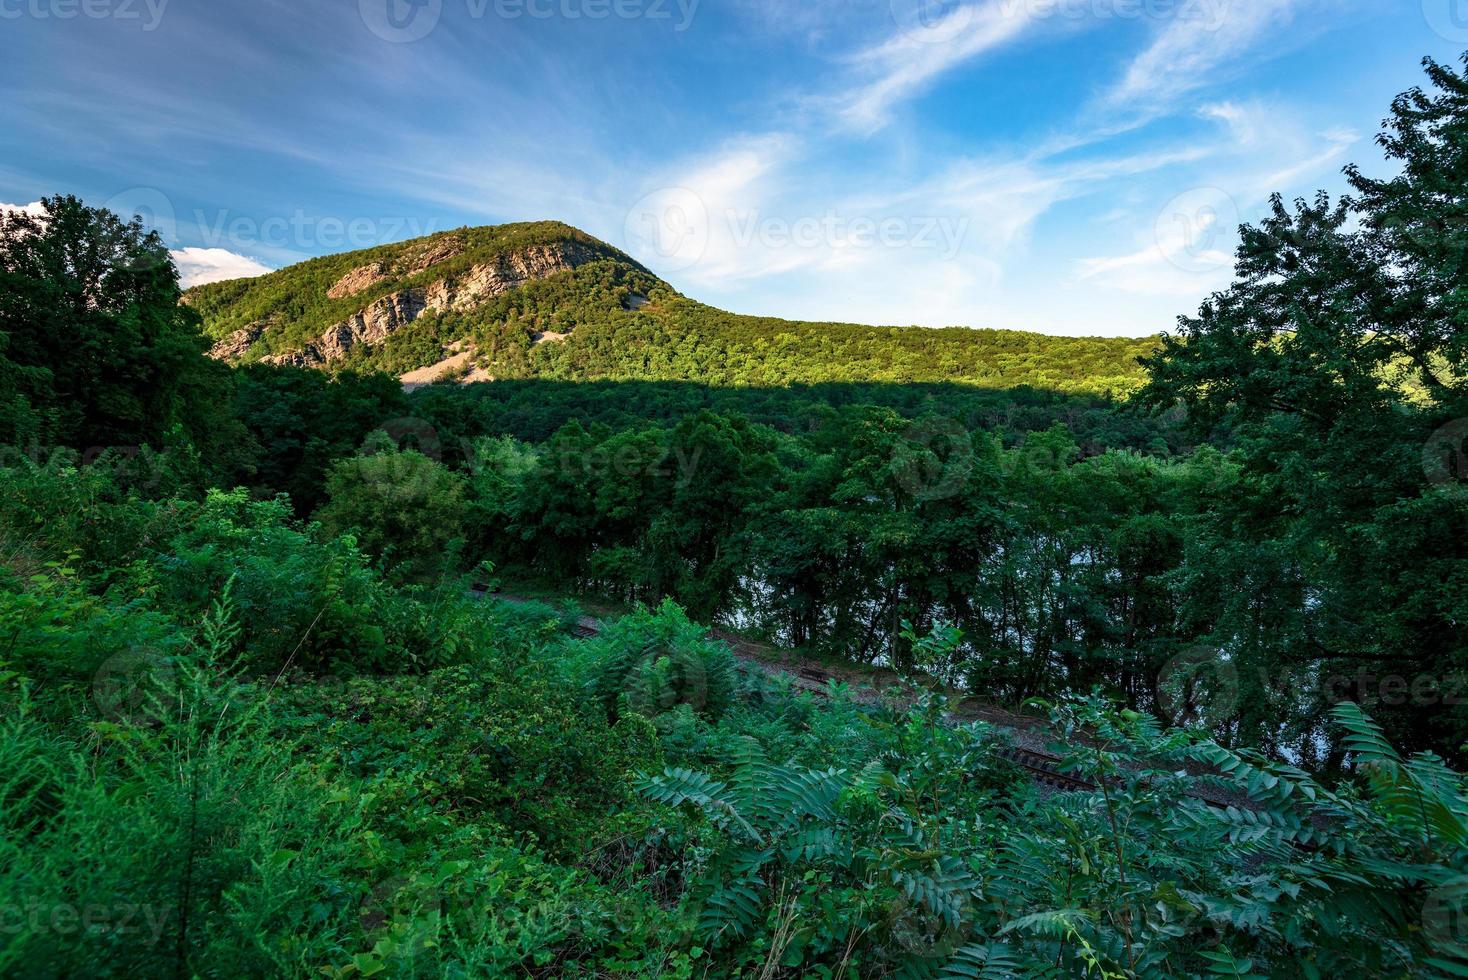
[547,300]
[342,308]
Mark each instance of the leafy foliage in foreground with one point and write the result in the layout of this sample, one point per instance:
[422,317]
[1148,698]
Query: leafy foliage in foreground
[209,801]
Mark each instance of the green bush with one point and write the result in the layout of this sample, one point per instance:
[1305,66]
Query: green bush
[176,838]
[649,663]
[402,507]
[479,743]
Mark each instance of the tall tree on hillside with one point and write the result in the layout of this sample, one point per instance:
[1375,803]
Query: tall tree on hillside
[103,353]
[1335,356]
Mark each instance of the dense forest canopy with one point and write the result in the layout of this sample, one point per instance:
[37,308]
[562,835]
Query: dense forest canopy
[257,720]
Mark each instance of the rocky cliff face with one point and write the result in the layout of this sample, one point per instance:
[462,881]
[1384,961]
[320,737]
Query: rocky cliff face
[425,256]
[371,326]
[384,317]
[509,272]
[360,278]
[235,345]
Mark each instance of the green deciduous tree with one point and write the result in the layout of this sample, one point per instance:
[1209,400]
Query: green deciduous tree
[402,507]
[99,348]
[1334,357]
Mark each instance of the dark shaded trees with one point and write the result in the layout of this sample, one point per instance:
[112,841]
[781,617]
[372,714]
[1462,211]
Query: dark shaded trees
[100,351]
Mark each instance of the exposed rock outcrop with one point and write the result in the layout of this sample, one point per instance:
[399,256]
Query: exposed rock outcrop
[390,314]
[428,255]
[425,256]
[360,278]
[506,273]
[370,326]
[235,345]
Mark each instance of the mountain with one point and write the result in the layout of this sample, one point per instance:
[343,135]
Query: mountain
[545,300]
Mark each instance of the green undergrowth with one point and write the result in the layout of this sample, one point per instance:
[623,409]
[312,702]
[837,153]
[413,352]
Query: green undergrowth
[360,778]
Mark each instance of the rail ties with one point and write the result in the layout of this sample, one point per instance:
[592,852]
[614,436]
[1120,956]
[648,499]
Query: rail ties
[1045,769]
[1041,768]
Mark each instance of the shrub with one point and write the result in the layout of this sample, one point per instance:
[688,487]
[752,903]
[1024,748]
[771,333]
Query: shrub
[651,662]
[482,743]
[403,507]
[185,841]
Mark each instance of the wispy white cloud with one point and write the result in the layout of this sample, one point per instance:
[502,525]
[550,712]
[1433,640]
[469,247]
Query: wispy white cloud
[920,51]
[1188,264]
[1193,45]
[1187,250]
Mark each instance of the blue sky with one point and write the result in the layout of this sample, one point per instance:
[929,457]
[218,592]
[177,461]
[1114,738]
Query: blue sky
[1068,166]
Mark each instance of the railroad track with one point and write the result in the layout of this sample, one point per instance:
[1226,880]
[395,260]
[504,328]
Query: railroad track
[1042,768]
[1045,769]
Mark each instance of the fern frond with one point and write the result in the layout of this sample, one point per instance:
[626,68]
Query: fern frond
[993,962]
[1364,737]
[676,787]
[731,909]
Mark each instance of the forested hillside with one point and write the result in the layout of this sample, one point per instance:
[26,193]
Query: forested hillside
[259,718]
[610,320]
[298,303]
